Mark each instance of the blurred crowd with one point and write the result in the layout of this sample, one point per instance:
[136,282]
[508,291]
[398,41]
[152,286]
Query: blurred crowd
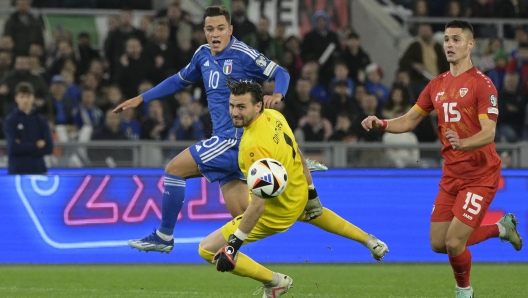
[77,86]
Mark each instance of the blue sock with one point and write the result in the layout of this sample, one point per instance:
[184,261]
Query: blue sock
[172,203]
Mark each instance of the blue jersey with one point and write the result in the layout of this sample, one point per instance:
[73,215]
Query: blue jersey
[237,61]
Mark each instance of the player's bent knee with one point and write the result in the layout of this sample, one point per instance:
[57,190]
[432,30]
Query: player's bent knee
[438,247]
[205,254]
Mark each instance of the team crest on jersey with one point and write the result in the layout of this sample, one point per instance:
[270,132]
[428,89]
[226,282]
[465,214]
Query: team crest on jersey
[463,91]
[228,67]
[493,100]
[261,61]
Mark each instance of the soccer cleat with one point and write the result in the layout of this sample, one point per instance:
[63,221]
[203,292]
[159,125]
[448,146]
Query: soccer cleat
[464,292]
[509,222]
[377,248]
[285,283]
[152,242]
[314,165]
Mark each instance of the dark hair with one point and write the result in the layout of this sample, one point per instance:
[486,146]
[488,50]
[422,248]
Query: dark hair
[217,10]
[460,24]
[241,87]
[83,35]
[389,103]
[24,87]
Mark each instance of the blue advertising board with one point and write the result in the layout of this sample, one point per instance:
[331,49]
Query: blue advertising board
[87,215]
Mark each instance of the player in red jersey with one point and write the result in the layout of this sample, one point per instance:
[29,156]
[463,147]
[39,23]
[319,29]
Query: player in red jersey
[465,101]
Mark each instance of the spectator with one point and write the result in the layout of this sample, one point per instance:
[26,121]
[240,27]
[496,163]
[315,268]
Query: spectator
[36,50]
[164,53]
[482,9]
[262,41]
[64,53]
[343,131]
[114,46]
[311,72]
[521,36]
[91,82]
[519,64]
[397,104]
[293,45]
[487,59]
[510,9]
[28,135]
[87,113]
[319,40]
[6,60]
[368,106]
[23,28]
[134,68]
[20,74]
[403,80]
[180,31]
[113,97]
[73,91]
[155,126]
[98,70]
[129,125]
[85,52]
[355,57]
[198,39]
[424,58]
[280,33]
[297,103]
[242,26]
[512,107]
[496,74]
[341,74]
[111,131]
[420,9]
[163,12]
[61,106]
[313,127]
[341,101]
[185,128]
[374,85]
[7,43]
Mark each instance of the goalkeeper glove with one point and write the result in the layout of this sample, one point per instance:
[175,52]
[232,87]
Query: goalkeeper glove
[225,259]
[313,208]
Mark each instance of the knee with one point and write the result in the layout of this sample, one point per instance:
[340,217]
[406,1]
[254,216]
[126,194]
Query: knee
[170,168]
[438,246]
[454,246]
[205,254]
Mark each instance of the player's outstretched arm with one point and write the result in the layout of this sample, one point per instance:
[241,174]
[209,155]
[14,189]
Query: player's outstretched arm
[129,104]
[401,124]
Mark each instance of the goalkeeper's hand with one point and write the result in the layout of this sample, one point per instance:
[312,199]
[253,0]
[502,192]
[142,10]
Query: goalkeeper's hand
[313,208]
[225,259]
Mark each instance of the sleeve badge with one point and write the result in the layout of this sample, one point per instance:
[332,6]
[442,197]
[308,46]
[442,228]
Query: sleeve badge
[493,100]
[261,61]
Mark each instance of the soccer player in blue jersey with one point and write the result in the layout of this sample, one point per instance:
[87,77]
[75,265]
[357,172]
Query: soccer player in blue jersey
[223,58]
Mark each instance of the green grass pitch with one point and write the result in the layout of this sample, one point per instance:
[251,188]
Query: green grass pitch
[310,280]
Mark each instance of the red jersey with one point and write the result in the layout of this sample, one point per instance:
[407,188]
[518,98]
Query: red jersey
[460,102]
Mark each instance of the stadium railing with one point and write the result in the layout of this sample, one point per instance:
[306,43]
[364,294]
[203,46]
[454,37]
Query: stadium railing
[152,154]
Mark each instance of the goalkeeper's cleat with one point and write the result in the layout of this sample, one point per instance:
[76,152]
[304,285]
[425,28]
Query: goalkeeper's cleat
[377,248]
[285,283]
[314,166]
[509,222]
[464,292]
[152,242]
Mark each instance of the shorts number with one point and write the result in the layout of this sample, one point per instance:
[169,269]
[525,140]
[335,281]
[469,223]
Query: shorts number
[214,76]
[450,114]
[475,206]
[290,142]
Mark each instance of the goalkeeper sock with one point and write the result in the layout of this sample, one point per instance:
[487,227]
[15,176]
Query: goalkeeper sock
[247,267]
[333,223]
[482,233]
[461,265]
[172,202]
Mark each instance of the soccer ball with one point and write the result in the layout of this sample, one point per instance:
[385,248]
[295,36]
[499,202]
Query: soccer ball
[267,178]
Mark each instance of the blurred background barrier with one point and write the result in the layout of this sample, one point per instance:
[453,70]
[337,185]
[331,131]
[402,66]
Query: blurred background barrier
[86,216]
[152,154]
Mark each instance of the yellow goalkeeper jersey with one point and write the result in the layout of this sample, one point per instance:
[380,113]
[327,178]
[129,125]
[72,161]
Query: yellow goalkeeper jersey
[270,136]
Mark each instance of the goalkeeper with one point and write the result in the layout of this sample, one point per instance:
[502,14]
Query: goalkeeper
[267,134]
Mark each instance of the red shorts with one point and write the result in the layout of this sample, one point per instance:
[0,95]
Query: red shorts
[467,199]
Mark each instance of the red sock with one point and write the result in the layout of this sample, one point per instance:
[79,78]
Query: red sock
[482,233]
[461,265]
